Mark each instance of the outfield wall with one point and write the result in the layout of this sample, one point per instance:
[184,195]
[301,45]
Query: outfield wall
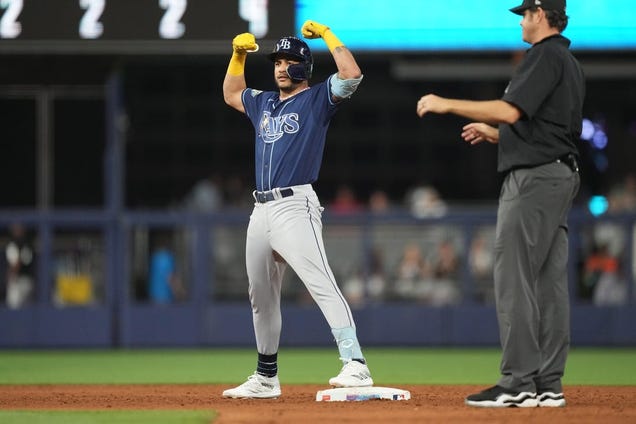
[216,311]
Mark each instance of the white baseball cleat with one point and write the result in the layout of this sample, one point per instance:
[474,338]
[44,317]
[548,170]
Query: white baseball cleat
[256,387]
[352,374]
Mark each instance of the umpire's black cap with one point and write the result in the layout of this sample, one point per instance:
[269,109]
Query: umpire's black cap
[558,5]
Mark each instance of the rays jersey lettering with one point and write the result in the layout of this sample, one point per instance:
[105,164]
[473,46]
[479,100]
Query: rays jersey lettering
[289,134]
[273,127]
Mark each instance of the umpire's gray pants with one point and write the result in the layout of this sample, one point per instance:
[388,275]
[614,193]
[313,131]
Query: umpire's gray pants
[530,275]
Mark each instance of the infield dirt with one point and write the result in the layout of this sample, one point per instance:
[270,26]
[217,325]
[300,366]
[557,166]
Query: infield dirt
[439,403]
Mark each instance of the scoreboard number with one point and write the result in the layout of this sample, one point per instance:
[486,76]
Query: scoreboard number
[255,12]
[89,26]
[137,26]
[170,25]
[9,25]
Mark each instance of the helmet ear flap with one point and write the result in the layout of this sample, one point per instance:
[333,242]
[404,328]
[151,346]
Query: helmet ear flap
[297,72]
[309,68]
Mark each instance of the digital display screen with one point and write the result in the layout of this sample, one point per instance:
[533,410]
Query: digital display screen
[455,25]
[364,25]
[88,25]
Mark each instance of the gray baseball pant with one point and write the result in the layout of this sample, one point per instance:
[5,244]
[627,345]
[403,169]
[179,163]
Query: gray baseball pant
[530,276]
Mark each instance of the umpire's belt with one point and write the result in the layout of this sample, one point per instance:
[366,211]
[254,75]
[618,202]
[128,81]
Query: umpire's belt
[570,161]
[274,194]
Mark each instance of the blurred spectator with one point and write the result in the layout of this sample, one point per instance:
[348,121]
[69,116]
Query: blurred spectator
[20,259]
[622,197]
[445,273]
[371,285]
[379,202]
[76,272]
[354,290]
[376,281]
[205,196]
[481,262]
[164,284]
[425,202]
[611,290]
[413,274]
[429,280]
[237,193]
[345,201]
[481,258]
[613,235]
[601,279]
[447,263]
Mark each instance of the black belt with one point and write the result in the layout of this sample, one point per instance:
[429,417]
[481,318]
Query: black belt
[268,196]
[570,161]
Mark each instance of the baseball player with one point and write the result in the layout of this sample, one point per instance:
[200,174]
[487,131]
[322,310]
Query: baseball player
[538,123]
[285,225]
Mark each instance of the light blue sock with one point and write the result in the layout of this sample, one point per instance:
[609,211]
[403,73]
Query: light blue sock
[347,342]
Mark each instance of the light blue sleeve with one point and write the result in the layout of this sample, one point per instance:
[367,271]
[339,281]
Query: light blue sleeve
[344,88]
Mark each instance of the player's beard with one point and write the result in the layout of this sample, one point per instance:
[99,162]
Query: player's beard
[289,88]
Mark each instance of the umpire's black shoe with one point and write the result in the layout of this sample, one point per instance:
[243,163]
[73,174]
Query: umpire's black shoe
[500,397]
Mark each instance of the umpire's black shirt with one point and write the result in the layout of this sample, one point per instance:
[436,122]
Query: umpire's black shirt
[549,87]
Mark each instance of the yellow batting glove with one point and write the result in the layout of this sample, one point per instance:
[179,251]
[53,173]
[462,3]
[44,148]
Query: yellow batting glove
[313,29]
[241,44]
[244,43]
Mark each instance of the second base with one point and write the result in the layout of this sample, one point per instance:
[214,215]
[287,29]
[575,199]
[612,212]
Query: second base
[361,393]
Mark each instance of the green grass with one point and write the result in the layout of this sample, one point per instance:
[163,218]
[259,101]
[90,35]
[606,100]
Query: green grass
[105,417]
[208,366]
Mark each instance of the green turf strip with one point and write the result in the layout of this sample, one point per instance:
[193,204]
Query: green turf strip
[296,366]
[105,417]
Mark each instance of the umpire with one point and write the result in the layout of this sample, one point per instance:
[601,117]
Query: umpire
[539,122]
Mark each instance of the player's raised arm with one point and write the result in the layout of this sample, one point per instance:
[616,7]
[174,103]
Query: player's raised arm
[349,73]
[234,82]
